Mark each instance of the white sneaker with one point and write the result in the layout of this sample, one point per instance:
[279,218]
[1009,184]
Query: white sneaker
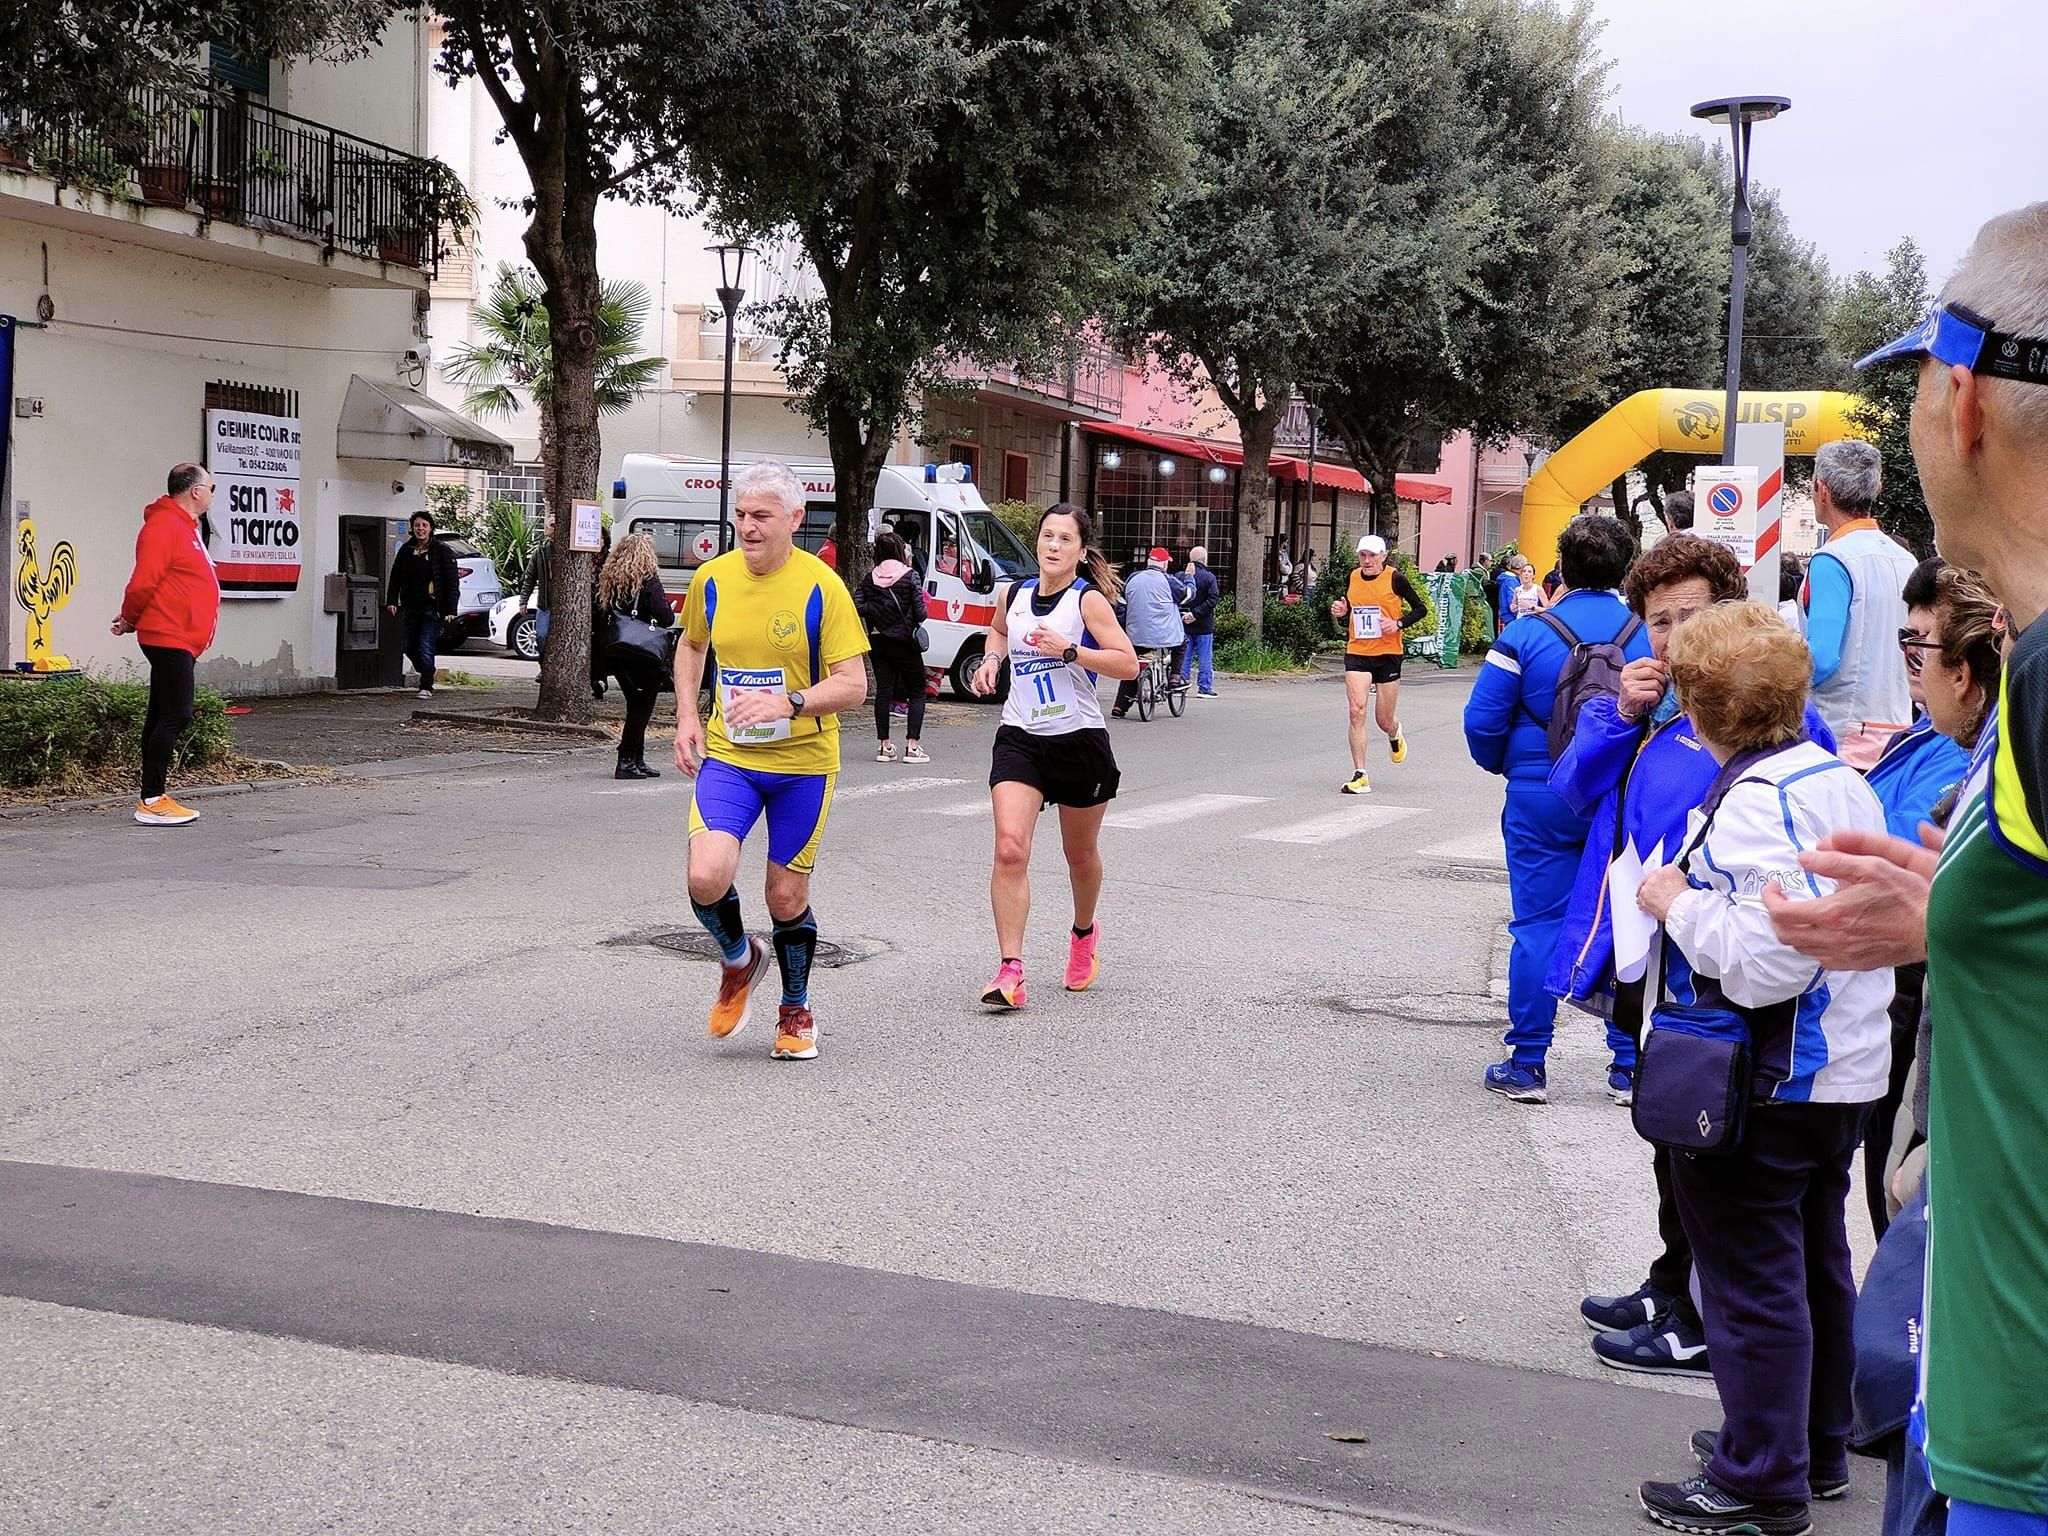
[426,693]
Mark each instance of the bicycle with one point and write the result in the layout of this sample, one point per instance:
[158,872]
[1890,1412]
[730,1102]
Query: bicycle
[1157,680]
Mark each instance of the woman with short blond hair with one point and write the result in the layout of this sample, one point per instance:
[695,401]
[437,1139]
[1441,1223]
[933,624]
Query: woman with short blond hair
[1766,1215]
[630,584]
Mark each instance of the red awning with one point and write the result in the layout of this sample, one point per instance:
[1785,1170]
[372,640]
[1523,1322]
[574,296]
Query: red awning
[1281,466]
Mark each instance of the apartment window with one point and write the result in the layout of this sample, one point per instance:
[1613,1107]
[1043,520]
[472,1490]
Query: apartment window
[256,399]
[1489,532]
[521,483]
[969,454]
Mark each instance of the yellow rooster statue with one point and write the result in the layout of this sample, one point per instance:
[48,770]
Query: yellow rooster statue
[42,592]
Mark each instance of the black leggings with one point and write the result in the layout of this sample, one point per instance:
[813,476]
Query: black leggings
[170,711]
[641,686]
[1671,1270]
[899,674]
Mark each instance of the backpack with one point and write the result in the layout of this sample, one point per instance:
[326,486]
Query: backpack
[1591,671]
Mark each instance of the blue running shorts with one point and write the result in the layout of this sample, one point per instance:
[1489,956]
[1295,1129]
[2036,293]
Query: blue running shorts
[731,799]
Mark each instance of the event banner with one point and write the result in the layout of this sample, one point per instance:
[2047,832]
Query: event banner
[255,465]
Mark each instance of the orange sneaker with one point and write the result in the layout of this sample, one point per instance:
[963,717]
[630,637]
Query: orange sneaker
[796,1036]
[163,811]
[1007,990]
[735,987]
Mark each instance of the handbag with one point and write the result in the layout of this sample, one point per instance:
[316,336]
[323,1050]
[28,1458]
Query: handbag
[630,638]
[923,637]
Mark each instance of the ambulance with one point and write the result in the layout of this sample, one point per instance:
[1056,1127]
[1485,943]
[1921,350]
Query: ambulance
[963,553]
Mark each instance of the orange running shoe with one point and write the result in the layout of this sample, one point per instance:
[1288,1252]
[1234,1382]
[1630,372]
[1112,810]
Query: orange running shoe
[163,811]
[735,987]
[1081,965]
[796,1036]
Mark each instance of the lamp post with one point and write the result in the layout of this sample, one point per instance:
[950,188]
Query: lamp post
[732,271]
[1738,112]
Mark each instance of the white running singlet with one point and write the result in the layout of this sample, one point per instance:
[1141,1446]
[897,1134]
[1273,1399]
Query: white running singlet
[1048,696]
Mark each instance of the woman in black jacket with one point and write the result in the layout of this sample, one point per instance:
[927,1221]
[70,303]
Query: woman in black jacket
[631,584]
[891,604]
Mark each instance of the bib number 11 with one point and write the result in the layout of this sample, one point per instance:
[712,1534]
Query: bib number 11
[1042,683]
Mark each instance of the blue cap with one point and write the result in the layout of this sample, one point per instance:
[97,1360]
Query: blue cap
[1946,334]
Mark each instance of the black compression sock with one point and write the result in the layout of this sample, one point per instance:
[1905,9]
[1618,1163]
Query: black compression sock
[722,921]
[796,941]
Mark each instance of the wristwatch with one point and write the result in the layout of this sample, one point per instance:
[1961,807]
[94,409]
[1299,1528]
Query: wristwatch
[1069,654]
[796,703]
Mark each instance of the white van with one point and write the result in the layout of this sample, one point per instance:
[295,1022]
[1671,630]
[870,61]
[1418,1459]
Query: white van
[961,550]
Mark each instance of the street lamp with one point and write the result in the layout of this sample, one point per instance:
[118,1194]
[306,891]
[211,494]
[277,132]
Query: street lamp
[732,271]
[1738,112]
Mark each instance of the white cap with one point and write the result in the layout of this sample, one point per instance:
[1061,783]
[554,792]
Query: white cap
[1372,544]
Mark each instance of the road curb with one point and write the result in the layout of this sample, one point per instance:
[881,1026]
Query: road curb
[471,720]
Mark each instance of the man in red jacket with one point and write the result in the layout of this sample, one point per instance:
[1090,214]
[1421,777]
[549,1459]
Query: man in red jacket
[171,606]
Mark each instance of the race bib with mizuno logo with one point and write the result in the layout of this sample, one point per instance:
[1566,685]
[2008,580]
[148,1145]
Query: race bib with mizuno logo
[733,681]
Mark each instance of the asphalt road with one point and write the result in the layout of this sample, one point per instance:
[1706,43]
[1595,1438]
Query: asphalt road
[368,1170]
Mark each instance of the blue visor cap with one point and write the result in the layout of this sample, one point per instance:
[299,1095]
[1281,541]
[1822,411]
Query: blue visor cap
[1964,339]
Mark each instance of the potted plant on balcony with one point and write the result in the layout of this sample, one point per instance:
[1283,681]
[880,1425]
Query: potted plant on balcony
[14,140]
[429,197]
[167,181]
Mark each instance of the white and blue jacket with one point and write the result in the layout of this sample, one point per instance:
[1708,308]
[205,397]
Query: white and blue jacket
[1818,1036]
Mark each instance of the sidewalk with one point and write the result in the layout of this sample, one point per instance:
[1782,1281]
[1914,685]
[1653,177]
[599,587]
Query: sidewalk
[332,730]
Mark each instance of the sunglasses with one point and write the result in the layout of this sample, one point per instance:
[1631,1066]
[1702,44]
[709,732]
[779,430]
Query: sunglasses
[1915,645]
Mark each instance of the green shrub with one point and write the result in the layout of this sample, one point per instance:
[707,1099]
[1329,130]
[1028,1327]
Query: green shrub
[1295,629]
[1021,518]
[1248,656]
[72,727]
[1232,627]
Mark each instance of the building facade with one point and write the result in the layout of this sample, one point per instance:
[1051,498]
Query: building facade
[242,286]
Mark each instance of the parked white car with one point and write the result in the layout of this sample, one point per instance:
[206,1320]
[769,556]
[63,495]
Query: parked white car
[516,626]
[474,603]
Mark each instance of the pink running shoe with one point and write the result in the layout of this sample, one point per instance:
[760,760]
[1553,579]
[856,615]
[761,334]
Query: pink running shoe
[1007,990]
[1081,966]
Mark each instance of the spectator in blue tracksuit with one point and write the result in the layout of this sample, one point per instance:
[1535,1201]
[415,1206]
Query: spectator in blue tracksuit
[1636,764]
[1507,723]
[1199,608]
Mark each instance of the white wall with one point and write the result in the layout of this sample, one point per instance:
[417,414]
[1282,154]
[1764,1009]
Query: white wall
[381,96]
[122,373]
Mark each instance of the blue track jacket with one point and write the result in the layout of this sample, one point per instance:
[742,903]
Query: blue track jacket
[1653,779]
[1507,716]
[1918,767]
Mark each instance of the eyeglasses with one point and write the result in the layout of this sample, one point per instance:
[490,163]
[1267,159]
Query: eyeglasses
[1915,645]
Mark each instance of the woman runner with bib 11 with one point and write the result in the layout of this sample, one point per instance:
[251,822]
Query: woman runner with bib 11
[1058,632]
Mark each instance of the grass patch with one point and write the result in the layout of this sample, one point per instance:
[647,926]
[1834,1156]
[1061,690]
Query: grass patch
[1250,658]
[66,732]
[461,680]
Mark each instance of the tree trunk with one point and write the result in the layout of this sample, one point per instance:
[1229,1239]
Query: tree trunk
[1619,490]
[859,449]
[561,241]
[1256,426]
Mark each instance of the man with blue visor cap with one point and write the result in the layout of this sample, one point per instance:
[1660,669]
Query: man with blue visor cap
[1976,910]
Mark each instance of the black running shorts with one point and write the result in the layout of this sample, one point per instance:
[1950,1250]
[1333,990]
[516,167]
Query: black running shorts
[1384,669]
[1077,768]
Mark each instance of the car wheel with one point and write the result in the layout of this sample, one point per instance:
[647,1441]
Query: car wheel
[523,639]
[961,674]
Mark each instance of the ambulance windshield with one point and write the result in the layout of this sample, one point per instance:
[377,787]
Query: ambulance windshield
[996,541]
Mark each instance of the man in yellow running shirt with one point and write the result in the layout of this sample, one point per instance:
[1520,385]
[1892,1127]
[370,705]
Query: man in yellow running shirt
[1378,605]
[788,646]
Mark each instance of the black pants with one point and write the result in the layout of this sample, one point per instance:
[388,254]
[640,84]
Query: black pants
[899,674]
[422,627]
[170,711]
[1770,1243]
[1671,1270]
[641,687]
[1911,987]
[1127,692]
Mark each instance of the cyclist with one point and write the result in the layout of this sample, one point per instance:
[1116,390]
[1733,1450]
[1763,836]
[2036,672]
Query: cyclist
[789,647]
[1057,630]
[1152,604]
[1379,603]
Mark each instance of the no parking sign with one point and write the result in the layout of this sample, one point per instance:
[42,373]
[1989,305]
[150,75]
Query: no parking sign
[1724,509]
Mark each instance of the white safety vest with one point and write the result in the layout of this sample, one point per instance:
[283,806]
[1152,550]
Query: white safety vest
[1869,687]
[1049,697]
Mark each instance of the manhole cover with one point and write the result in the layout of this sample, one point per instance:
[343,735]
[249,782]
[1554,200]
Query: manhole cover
[1471,874]
[696,944]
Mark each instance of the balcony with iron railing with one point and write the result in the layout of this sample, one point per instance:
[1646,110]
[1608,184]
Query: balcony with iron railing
[1089,381]
[221,158]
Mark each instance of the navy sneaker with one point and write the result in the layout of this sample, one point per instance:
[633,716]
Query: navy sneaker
[1701,1505]
[1618,1314]
[1621,1084]
[1835,1486]
[1511,1080]
[1665,1347]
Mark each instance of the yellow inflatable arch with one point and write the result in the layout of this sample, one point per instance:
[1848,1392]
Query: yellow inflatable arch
[1677,421]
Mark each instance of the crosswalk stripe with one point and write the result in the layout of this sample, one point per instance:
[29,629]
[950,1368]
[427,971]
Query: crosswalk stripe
[889,787]
[968,808]
[1485,848]
[1167,812]
[1338,824]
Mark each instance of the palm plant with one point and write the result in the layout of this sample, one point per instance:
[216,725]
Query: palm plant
[514,358]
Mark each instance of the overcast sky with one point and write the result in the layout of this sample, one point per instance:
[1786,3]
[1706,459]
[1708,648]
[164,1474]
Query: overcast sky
[1909,117]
